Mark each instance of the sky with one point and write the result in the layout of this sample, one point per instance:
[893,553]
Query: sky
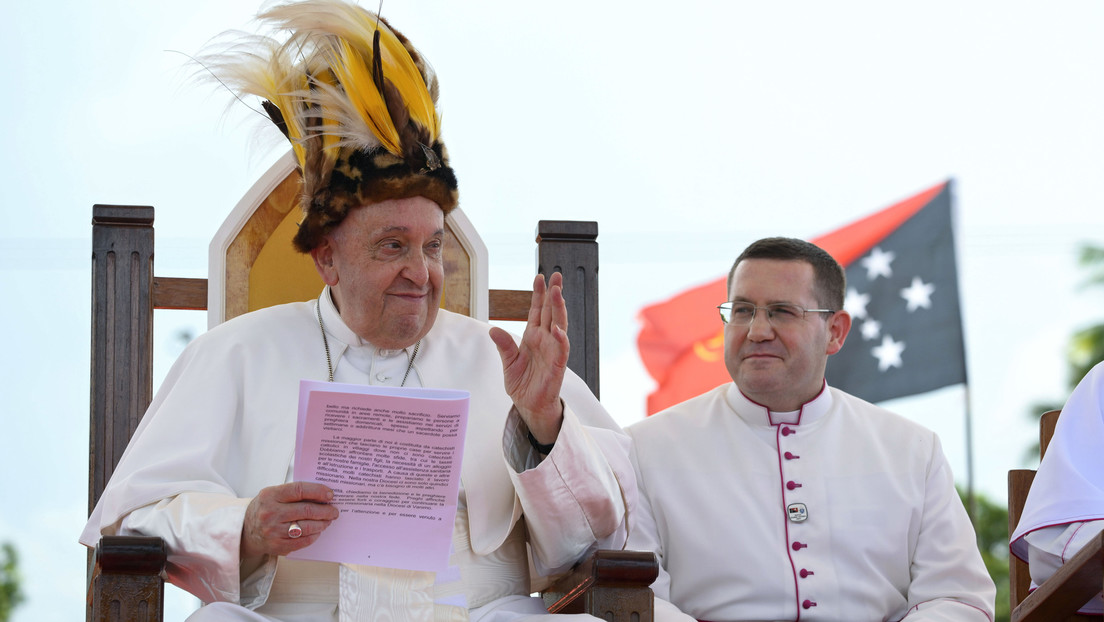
[686,130]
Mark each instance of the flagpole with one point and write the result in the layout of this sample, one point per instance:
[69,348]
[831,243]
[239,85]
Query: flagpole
[971,508]
[971,502]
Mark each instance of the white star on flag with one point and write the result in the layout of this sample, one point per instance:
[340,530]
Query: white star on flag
[871,329]
[918,294]
[877,263]
[855,303]
[888,353]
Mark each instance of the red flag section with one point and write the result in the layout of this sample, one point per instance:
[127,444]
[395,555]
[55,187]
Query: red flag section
[681,344]
[849,242]
[681,340]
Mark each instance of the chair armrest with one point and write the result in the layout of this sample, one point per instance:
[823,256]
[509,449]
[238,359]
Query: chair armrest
[1060,596]
[125,583]
[609,584]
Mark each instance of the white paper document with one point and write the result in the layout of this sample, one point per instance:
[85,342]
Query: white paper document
[392,456]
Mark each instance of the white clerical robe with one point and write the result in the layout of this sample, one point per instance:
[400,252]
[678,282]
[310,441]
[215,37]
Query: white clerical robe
[1065,506]
[841,511]
[222,427]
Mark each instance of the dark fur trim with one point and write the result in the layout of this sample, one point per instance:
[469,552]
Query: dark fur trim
[361,179]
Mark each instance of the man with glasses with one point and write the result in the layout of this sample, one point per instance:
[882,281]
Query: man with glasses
[777,497]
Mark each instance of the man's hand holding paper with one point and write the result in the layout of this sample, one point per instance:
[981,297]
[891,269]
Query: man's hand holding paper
[270,514]
[390,459]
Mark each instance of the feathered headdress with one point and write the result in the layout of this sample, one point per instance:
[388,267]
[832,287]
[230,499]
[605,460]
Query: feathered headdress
[356,100]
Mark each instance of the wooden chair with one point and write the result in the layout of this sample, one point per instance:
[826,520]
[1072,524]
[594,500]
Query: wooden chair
[251,248]
[1078,580]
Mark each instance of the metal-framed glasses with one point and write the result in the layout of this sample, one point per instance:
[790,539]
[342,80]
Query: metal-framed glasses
[778,314]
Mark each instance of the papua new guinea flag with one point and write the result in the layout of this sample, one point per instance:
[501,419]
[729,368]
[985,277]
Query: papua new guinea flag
[902,293]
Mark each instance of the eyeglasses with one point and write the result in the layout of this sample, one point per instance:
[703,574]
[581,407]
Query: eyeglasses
[778,314]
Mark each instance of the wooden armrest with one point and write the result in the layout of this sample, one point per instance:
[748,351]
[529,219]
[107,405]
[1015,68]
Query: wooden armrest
[1060,596]
[126,583]
[609,584]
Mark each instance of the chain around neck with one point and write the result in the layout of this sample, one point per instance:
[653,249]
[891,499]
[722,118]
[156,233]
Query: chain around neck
[329,361]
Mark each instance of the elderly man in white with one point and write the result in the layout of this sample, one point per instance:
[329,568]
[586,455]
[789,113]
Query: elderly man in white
[546,475]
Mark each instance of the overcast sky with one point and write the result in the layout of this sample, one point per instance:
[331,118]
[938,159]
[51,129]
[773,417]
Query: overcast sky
[685,129]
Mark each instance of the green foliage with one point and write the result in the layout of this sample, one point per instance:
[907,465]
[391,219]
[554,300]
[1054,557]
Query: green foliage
[1086,349]
[1092,259]
[991,526]
[1086,346]
[10,594]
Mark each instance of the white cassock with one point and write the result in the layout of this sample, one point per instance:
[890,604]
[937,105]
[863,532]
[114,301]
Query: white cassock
[1065,507]
[222,427]
[841,511]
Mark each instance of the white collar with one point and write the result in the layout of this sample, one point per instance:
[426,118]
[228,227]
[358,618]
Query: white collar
[756,414]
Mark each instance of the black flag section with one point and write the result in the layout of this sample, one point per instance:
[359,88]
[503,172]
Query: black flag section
[902,293]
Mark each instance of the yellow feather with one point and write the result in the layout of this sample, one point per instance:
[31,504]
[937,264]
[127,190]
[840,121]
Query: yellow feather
[322,84]
[321,78]
[403,73]
[356,76]
[281,88]
[342,32]
[331,135]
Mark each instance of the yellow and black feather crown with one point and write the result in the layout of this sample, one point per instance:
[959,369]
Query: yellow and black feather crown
[356,100]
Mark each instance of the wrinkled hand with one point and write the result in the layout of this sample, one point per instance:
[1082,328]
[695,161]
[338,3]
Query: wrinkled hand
[534,370]
[265,530]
